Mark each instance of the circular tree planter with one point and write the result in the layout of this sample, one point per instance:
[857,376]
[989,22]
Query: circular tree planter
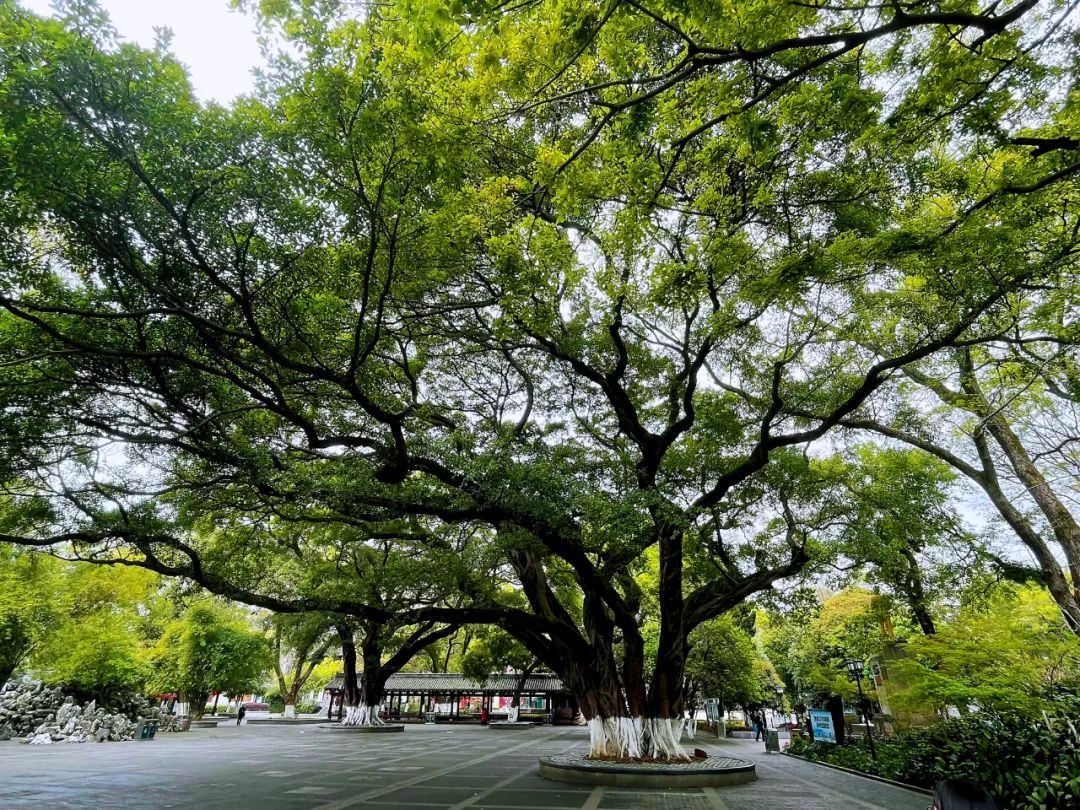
[383,729]
[710,772]
[505,725]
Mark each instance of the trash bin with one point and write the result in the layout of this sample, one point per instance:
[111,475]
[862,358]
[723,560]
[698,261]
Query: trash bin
[772,741]
[145,729]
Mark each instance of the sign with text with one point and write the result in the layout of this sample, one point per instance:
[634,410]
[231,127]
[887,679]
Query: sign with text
[822,723]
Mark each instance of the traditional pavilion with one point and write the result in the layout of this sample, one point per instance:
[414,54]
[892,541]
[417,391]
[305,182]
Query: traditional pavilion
[543,696]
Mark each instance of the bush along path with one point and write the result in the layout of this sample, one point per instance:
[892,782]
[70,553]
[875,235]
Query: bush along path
[1028,764]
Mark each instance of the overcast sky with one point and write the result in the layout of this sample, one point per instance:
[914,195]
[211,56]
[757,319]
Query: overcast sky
[217,45]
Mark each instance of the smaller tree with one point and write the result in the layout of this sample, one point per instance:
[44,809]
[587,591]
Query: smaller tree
[28,605]
[1009,650]
[209,649]
[98,646]
[724,663]
[492,650]
[301,642]
[810,644]
[898,514]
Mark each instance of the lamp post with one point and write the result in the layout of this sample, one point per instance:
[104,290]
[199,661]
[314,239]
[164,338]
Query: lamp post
[855,671]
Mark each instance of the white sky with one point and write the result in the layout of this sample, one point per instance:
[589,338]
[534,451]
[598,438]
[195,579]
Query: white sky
[217,45]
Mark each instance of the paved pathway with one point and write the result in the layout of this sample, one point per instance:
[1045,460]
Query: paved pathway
[427,767]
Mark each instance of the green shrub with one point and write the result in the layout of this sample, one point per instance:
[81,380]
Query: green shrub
[308,708]
[1027,765]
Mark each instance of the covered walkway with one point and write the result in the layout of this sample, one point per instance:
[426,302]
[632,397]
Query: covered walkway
[452,696]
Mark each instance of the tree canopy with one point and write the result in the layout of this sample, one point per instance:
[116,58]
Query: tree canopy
[533,295]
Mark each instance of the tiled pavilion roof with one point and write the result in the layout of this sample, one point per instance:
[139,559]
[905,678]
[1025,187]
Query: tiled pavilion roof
[449,682]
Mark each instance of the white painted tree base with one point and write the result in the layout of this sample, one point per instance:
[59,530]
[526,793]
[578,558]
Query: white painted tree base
[290,711]
[362,716]
[636,737]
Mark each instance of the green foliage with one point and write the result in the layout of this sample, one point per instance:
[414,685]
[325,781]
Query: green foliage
[209,649]
[491,651]
[898,514]
[111,616]
[552,295]
[811,644]
[724,663]
[84,627]
[323,673]
[1009,652]
[300,643]
[1028,764]
[29,607]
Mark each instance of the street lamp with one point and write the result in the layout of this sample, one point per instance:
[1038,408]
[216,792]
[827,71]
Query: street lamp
[855,672]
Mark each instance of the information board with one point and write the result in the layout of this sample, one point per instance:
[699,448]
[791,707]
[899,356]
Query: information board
[822,723]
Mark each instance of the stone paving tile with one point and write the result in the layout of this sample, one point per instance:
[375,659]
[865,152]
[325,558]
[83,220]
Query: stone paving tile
[694,800]
[441,796]
[550,798]
[283,768]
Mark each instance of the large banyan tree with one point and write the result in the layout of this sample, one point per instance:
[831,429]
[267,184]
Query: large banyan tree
[585,282]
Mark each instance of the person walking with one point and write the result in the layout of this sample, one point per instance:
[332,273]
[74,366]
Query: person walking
[240,714]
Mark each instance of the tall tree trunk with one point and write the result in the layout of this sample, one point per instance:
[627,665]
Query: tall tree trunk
[1065,596]
[197,705]
[365,712]
[664,724]
[519,685]
[916,594]
[1061,521]
[350,689]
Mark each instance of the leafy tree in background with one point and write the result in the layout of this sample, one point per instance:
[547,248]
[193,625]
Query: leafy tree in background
[28,605]
[724,663]
[611,321]
[301,643]
[111,617]
[1007,652]
[209,649]
[323,674]
[1004,417]
[810,645]
[491,651]
[900,529]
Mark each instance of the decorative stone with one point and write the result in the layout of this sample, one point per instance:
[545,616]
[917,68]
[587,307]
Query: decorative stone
[42,715]
[715,771]
[383,729]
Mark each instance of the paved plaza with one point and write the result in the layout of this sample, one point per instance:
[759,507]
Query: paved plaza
[429,767]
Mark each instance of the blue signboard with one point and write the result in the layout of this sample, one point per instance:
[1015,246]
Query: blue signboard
[821,722]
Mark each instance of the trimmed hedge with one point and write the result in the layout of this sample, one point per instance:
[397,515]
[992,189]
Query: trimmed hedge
[1027,765]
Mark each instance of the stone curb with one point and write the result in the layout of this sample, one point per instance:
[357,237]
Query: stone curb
[870,776]
[615,775]
[340,729]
